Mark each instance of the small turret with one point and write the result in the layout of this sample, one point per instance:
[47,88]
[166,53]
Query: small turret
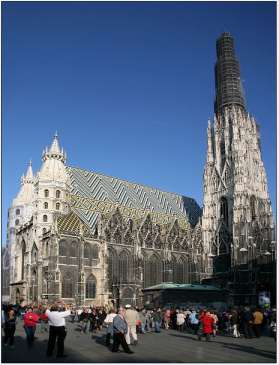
[54,152]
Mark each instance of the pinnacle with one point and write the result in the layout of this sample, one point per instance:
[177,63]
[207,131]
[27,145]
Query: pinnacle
[29,173]
[55,145]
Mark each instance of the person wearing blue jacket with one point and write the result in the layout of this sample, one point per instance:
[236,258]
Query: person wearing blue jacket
[120,328]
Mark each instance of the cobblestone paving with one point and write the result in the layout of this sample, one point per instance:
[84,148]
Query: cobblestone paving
[167,346]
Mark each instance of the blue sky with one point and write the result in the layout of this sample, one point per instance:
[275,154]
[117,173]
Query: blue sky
[128,86]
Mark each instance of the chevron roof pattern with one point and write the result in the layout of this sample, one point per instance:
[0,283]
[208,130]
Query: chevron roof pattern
[89,185]
[71,224]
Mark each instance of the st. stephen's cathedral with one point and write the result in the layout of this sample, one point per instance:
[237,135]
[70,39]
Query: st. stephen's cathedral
[88,238]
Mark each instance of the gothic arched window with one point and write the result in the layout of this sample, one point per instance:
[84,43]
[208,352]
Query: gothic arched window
[23,252]
[73,249]
[44,218]
[58,194]
[95,252]
[153,271]
[57,206]
[63,248]
[178,271]
[45,205]
[87,251]
[90,287]
[68,285]
[46,193]
[112,266]
[124,267]
[253,207]
[34,254]
[224,210]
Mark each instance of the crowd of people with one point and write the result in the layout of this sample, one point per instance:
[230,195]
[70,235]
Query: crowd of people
[124,325]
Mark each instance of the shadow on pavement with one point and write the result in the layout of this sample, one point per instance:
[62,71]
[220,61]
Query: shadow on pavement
[233,346]
[37,353]
[250,350]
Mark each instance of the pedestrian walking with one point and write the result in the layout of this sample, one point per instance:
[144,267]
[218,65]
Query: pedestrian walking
[131,316]
[180,319]
[57,331]
[120,328]
[157,318]
[273,323]
[9,327]
[142,319]
[234,318]
[215,323]
[30,319]
[194,321]
[207,325]
[257,322]
[109,323]
[247,321]
[167,315]
[84,318]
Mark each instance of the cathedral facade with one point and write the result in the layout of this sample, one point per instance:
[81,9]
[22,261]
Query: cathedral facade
[89,239]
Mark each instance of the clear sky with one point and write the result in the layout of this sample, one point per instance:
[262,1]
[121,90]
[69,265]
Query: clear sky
[128,86]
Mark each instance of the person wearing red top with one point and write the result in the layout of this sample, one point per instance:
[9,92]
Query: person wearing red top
[207,325]
[30,320]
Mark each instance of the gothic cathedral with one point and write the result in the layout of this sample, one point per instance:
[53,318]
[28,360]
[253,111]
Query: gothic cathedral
[88,238]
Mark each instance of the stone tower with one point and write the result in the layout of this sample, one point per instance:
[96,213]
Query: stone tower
[237,217]
[19,214]
[51,188]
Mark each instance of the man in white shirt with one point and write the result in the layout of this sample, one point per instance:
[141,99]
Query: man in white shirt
[56,321]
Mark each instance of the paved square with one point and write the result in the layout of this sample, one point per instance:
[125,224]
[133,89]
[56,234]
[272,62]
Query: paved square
[167,346]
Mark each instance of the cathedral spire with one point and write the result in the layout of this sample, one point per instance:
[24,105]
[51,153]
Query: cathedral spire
[228,84]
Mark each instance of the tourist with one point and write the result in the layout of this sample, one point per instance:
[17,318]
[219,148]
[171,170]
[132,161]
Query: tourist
[131,316]
[247,321]
[273,323]
[93,317]
[120,329]
[167,315]
[149,323]
[30,319]
[109,322]
[194,321]
[84,318]
[207,325]
[215,323]
[56,321]
[257,322]
[180,319]
[173,319]
[234,318]
[9,327]
[157,318]
[142,319]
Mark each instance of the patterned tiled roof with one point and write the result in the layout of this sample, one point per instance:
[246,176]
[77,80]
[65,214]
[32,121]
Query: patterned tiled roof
[71,224]
[93,193]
